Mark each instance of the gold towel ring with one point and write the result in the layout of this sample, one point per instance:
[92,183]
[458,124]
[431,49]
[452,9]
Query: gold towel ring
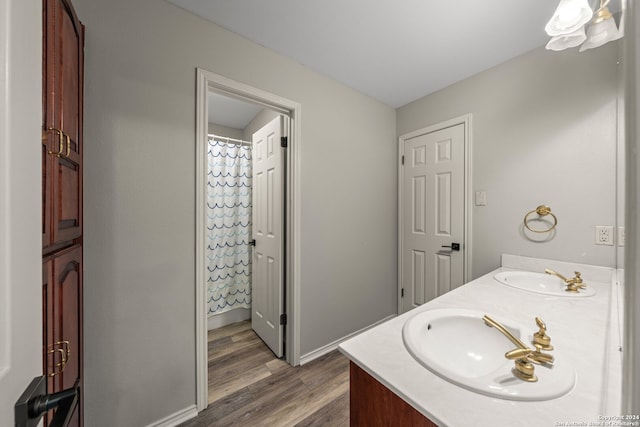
[541,210]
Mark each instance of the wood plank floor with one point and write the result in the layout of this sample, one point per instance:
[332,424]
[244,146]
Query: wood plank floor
[248,386]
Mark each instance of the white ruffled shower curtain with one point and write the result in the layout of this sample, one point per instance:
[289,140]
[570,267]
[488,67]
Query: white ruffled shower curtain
[228,226]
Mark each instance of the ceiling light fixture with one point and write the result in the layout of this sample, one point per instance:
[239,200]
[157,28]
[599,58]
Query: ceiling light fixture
[566,41]
[571,18]
[602,29]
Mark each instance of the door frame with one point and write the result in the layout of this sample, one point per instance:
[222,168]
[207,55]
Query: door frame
[208,81]
[466,120]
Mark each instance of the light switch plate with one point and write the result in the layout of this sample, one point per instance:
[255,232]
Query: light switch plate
[481,198]
[620,236]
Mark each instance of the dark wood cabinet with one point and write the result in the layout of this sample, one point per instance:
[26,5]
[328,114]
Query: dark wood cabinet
[62,171]
[63,59]
[62,315]
[371,404]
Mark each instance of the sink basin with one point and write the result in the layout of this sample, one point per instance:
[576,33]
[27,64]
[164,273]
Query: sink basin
[540,283]
[456,345]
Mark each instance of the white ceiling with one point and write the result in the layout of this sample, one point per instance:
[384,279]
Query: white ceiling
[393,50]
[231,112]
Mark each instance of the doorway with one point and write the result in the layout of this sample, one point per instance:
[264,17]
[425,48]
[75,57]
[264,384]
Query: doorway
[207,83]
[434,244]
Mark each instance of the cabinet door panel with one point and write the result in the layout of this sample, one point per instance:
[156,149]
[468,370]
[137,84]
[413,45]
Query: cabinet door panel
[67,200]
[63,48]
[373,404]
[63,82]
[50,358]
[67,276]
[46,193]
[70,72]
[62,293]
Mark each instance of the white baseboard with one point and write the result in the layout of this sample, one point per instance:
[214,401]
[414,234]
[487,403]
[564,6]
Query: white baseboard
[227,318]
[334,345]
[177,417]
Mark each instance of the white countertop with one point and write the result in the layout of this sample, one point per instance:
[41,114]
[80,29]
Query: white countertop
[585,329]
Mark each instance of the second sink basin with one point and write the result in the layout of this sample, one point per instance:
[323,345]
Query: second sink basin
[458,346]
[540,283]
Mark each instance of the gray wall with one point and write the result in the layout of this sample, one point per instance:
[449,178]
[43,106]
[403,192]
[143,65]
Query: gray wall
[543,132]
[141,59]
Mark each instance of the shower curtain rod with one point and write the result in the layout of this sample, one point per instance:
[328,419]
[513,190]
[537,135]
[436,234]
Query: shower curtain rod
[227,139]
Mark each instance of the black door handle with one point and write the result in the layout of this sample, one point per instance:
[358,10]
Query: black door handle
[453,247]
[34,402]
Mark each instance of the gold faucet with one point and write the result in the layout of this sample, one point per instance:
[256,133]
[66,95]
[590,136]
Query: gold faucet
[573,285]
[523,356]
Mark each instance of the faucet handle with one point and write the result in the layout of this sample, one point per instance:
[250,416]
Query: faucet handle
[518,353]
[539,357]
[541,338]
[578,279]
[576,283]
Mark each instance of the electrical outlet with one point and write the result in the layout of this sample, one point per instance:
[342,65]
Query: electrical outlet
[604,235]
[620,236]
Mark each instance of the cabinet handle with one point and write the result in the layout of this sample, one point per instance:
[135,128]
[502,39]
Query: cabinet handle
[60,141]
[68,145]
[59,366]
[65,352]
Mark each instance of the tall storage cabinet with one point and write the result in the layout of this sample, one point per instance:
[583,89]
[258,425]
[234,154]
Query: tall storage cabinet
[62,151]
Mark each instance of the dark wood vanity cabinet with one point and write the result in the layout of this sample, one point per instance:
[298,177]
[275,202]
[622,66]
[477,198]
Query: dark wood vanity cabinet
[62,317]
[371,404]
[62,83]
[62,182]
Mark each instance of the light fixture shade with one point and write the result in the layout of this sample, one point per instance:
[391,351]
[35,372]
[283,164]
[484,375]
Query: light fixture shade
[569,17]
[567,41]
[623,7]
[600,33]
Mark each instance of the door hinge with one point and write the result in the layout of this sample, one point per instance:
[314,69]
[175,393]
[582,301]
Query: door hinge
[252,242]
[402,293]
[283,319]
[403,160]
[284,141]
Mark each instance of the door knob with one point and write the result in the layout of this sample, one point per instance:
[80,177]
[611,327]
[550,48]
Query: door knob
[453,246]
[34,402]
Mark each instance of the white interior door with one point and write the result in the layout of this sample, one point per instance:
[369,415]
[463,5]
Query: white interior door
[433,215]
[20,200]
[267,272]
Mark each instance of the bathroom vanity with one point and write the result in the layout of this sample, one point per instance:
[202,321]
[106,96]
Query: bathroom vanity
[389,384]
